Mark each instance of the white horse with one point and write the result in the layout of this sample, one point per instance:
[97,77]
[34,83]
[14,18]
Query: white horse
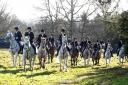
[86,56]
[42,53]
[14,47]
[108,54]
[63,54]
[28,53]
[121,54]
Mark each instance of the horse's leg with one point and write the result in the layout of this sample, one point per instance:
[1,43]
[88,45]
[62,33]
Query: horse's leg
[30,62]
[39,59]
[42,62]
[19,60]
[84,61]
[52,56]
[24,60]
[15,58]
[106,61]
[33,61]
[60,61]
[71,60]
[109,60]
[119,59]
[93,61]
[65,63]
[49,57]
[76,60]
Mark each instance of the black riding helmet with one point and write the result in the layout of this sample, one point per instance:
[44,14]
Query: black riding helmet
[16,28]
[29,28]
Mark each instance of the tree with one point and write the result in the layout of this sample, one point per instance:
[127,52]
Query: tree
[68,10]
[4,20]
[123,28]
[107,8]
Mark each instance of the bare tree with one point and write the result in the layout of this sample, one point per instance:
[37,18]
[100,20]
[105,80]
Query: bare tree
[3,17]
[107,8]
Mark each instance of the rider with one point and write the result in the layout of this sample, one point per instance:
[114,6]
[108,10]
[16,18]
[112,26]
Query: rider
[96,46]
[75,44]
[120,44]
[83,45]
[18,38]
[60,40]
[51,39]
[39,37]
[31,37]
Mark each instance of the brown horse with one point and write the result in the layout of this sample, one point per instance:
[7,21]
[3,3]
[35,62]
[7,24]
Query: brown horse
[51,52]
[74,56]
[42,53]
[96,57]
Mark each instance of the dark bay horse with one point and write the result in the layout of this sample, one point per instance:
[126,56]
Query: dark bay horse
[74,55]
[96,55]
[51,51]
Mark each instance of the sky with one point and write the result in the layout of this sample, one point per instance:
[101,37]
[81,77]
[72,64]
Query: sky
[25,9]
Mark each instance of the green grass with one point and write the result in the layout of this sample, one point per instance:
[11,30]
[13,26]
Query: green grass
[52,76]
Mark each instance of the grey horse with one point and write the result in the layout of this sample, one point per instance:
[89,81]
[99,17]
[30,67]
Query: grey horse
[14,47]
[28,53]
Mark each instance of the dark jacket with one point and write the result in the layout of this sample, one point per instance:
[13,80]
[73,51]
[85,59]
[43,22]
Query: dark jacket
[74,44]
[31,36]
[39,38]
[18,36]
[51,39]
[60,39]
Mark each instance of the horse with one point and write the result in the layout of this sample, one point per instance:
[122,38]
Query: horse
[96,55]
[28,53]
[63,54]
[86,56]
[108,54]
[51,51]
[42,53]
[74,55]
[121,54]
[14,47]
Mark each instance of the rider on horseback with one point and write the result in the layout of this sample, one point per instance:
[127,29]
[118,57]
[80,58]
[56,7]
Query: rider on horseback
[18,38]
[40,36]
[74,44]
[51,40]
[60,40]
[31,37]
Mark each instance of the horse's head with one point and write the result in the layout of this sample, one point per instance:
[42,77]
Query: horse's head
[27,42]
[9,35]
[43,42]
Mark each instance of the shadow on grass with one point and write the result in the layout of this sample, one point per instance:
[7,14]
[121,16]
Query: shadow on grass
[11,71]
[104,76]
[1,66]
[39,74]
[79,66]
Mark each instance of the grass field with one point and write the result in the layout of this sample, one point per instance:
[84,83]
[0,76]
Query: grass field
[97,75]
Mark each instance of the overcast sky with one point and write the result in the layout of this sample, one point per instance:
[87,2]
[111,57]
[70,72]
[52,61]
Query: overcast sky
[24,9]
